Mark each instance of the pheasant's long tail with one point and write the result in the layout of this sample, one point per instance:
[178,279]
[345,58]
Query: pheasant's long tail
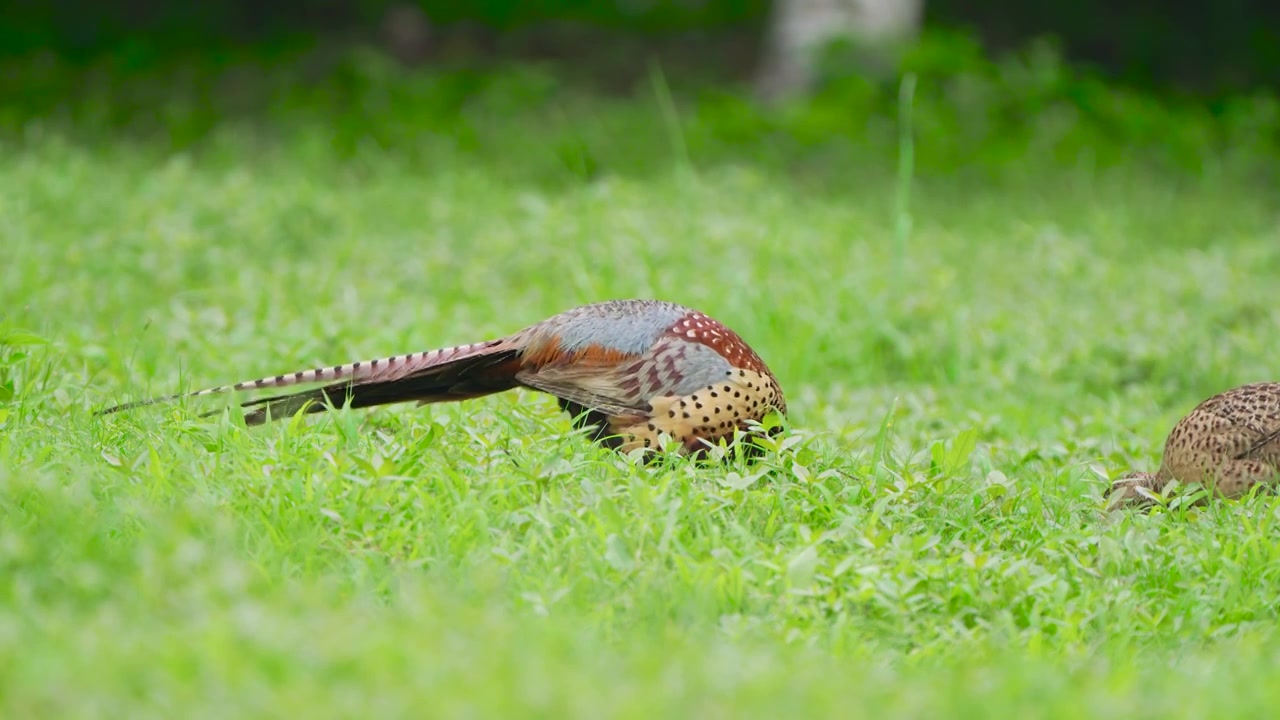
[461,378]
[374,382]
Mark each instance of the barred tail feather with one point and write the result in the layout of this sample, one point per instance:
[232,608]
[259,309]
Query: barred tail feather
[459,378]
[381,370]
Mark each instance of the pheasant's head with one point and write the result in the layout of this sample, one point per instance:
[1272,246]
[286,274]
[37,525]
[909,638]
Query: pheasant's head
[1125,491]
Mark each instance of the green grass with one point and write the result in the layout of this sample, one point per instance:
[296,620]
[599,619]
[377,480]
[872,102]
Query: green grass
[926,542]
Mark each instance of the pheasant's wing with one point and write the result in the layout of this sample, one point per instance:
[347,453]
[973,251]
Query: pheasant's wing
[626,385]
[584,391]
[1266,447]
[588,387]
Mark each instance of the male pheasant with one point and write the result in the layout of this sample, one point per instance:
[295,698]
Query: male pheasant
[1227,444]
[632,369]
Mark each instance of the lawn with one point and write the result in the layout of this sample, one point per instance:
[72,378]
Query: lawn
[927,540]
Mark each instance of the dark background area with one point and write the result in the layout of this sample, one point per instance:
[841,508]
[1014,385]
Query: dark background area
[1206,47]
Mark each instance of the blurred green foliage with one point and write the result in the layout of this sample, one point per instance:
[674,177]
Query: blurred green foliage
[1225,45]
[999,117]
[79,28]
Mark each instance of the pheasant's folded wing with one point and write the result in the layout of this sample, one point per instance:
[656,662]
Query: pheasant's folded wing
[1266,447]
[608,392]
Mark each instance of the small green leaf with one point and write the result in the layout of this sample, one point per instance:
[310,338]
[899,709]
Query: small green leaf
[18,338]
[957,455]
[741,482]
[617,554]
[801,568]
[800,472]
[882,437]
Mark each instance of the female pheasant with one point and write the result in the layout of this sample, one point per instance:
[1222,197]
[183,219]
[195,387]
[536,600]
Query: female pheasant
[1228,444]
[632,369]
